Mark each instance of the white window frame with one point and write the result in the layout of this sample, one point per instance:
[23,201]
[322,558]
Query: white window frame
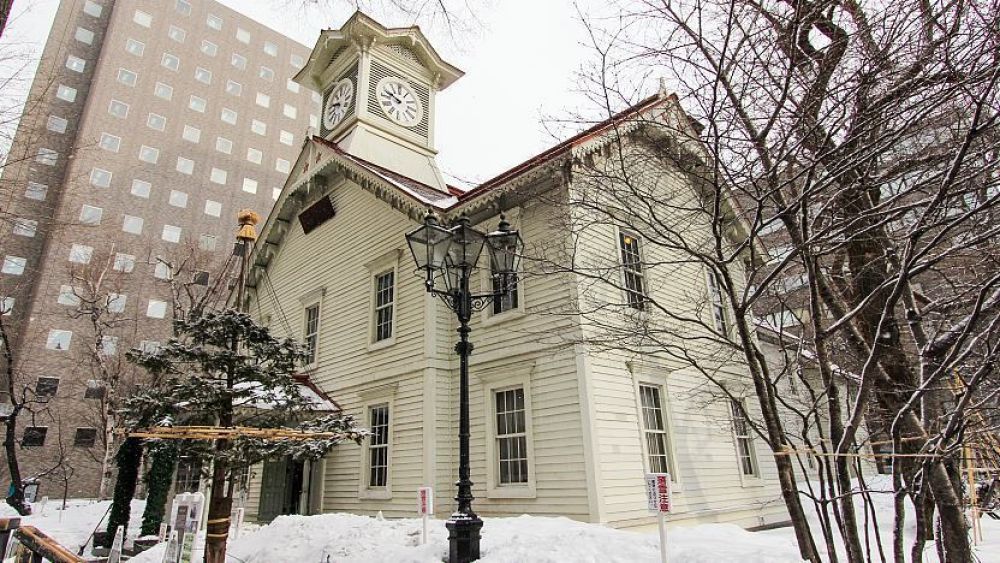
[55,333]
[490,388]
[153,118]
[213,208]
[209,48]
[169,58]
[110,143]
[66,93]
[382,265]
[190,137]
[127,77]
[162,87]
[144,191]
[374,397]
[643,273]
[666,432]
[57,124]
[746,479]
[135,47]
[716,303]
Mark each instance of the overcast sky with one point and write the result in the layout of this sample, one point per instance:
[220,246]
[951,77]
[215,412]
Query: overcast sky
[521,60]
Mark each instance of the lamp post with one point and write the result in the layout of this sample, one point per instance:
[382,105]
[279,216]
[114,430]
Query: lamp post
[447,257]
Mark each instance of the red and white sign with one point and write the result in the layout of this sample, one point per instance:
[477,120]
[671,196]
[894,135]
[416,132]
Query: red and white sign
[658,492]
[425,501]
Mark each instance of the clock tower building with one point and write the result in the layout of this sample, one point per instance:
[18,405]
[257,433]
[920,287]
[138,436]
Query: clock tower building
[378,86]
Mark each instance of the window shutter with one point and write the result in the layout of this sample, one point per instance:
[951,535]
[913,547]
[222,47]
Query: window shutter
[316,214]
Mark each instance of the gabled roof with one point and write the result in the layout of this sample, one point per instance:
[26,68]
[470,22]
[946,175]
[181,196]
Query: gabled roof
[361,30]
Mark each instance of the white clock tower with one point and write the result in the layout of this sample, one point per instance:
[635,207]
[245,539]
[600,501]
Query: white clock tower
[378,87]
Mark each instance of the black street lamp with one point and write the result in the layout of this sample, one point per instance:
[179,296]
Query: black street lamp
[448,256]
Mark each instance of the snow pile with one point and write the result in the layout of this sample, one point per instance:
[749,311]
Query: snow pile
[347,538]
[73,526]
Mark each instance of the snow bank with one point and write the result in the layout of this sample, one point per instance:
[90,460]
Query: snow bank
[73,526]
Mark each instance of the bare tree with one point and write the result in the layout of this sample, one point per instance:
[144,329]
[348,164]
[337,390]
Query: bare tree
[858,145]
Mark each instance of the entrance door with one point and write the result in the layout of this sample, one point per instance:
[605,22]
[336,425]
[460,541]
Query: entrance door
[281,486]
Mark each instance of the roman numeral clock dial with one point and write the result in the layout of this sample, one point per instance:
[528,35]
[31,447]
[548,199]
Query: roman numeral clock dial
[398,101]
[338,101]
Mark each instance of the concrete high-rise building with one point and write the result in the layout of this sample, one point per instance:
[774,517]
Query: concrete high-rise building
[149,124]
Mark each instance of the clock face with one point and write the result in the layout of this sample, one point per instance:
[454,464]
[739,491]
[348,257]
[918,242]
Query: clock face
[399,101]
[338,101]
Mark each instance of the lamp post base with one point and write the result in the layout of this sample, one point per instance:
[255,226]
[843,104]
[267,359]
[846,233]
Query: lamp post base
[463,537]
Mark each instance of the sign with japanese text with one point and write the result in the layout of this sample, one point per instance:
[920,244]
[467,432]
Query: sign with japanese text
[658,492]
[425,501]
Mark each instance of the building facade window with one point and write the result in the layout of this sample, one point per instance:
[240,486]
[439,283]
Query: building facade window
[203,75]
[744,440]
[47,156]
[718,305]
[378,446]
[258,127]
[116,302]
[171,233]
[76,64]
[164,91]
[507,288]
[91,215]
[223,145]
[185,165]
[213,208]
[85,437]
[632,270]
[191,134]
[24,227]
[286,138]
[110,143]
[654,429]
[207,242]
[68,296]
[127,77]
[267,74]
[234,88]
[228,116]
[311,333]
[56,124]
[263,100]
[46,386]
[255,155]
[36,191]
[149,154]
[183,7]
[95,389]
[197,104]
[34,436]
[178,198]
[270,48]
[109,345]
[214,22]
[238,61]
[156,121]
[124,262]
[132,224]
[171,62]
[218,176]
[13,265]
[141,188]
[250,185]
[92,9]
[134,47]
[156,309]
[242,35]
[6,305]
[511,442]
[176,33]
[81,253]
[282,165]
[384,305]
[66,93]
[142,18]
[84,35]
[289,111]
[209,48]
[59,339]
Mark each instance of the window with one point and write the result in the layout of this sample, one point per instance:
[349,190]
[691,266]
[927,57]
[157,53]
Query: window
[296,61]
[149,154]
[132,224]
[192,134]
[100,178]
[36,191]
[80,253]
[76,64]
[213,208]
[654,429]
[249,185]
[632,268]
[59,339]
[314,121]
[202,75]
[118,109]
[207,242]
[289,111]
[511,437]
[508,300]
[282,165]
[171,233]
[238,61]
[311,336]
[116,302]
[66,93]
[127,77]
[223,145]
[178,198]
[13,265]
[34,436]
[110,143]
[135,47]
[176,33]
[109,345]
[156,309]
[46,386]
[234,88]
[744,440]
[84,35]
[228,116]
[197,104]
[56,124]
[85,437]
[68,296]
[185,165]
[378,446]
[170,61]
[218,176]
[124,262]
[92,8]
[263,100]
[161,271]
[141,188]
[95,390]
[270,48]
[47,157]
[242,35]
[214,22]
[275,193]
[718,306]
[266,74]
[188,478]
[209,48]
[24,227]
[183,6]
[255,156]
[142,18]
[90,215]
[163,91]
[6,305]
[286,138]
[258,127]
[384,300]
[156,121]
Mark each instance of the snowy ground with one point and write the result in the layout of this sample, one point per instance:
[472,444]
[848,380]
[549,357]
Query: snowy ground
[73,526]
[346,538]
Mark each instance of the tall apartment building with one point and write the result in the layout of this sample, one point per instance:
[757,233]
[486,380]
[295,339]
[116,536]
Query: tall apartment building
[148,125]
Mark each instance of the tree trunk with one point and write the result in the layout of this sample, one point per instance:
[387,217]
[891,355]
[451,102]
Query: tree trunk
[128,458]
[16,497]
[5,8]
[219,509]
[163,460]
